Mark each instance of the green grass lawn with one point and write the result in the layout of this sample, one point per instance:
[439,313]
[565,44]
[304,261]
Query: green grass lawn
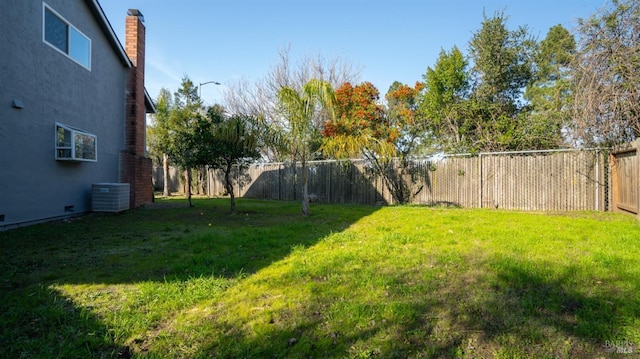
[346,282]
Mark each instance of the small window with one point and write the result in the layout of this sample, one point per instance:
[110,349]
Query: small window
[62,36]
[73,144]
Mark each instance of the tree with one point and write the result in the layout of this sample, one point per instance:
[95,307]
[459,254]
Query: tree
[359,125]
[158,137]
[486,108]
[386,140]
[234,144]
[413,136]
[444,102]
[357,112]
[502,68]
[607,76]
[302,111]
[551,92]
[502,63]
[260,99]
[183,146]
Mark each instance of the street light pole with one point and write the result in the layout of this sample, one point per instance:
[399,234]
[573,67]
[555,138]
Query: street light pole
[204,83]
[200,96]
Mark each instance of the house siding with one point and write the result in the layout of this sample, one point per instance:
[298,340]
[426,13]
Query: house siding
[53,88]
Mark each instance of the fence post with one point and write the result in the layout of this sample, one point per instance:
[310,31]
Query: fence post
[636,145]
[208,182]
[597,179]
[614,181]
[480,176]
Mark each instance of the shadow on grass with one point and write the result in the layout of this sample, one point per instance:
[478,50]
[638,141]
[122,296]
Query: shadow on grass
[143,245]
[449,304]
[39,322]
[516,308]
[534,302]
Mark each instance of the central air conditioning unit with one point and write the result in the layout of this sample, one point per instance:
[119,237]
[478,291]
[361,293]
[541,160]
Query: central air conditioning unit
[109,197]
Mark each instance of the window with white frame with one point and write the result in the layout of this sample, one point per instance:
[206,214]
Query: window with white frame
[64,37]
[73,144]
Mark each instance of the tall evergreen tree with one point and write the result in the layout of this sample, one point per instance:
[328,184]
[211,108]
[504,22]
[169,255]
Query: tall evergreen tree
[551,92]
[158,134]
[185,113]
[502,68]
[444,102]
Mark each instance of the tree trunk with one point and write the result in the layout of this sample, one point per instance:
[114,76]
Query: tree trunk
[165,173]
[228,185]
[390,179]
[305,188]
[187,177]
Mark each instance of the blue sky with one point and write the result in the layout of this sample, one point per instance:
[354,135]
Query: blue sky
[232,40]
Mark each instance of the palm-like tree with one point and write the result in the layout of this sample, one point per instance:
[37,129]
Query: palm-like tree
[304,112]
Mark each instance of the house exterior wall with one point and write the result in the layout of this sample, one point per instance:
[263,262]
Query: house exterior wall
[34,186]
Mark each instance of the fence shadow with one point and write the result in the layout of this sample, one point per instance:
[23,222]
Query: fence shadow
[329,182]
[337,182]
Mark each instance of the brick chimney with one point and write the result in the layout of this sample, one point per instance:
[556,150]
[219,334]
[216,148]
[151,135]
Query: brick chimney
[136,114]
[135,168]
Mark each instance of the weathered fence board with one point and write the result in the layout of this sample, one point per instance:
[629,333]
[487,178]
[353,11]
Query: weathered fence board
[542,182]
[532,181]
[625,178]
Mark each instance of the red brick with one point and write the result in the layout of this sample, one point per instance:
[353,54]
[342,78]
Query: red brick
[135,168]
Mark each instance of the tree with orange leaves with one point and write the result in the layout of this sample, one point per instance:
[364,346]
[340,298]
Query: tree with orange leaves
[406,118]
[357,112]
[386,139]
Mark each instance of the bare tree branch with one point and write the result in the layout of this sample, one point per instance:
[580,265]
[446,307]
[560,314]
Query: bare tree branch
[260,99]
[607,103]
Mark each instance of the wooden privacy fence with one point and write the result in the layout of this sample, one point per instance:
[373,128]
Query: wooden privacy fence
[559,180]
[625,179]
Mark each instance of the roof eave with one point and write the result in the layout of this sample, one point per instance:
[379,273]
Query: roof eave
[104,23]
[149,106]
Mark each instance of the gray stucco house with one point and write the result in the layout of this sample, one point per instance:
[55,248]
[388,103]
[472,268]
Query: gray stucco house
[72,109]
